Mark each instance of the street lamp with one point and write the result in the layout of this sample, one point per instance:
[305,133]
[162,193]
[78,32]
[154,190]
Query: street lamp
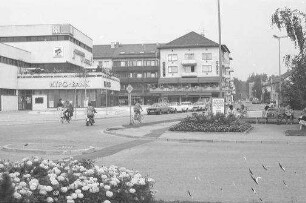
[279,66]
[220,50]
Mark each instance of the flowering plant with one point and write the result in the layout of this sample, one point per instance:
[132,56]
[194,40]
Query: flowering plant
[39,180]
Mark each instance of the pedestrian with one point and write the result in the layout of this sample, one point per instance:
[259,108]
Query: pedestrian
[60,104]
[289,114]
[230,110]
[302,119]
[70,109]
[265,112]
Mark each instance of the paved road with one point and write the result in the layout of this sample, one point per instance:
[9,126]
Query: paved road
[73,134]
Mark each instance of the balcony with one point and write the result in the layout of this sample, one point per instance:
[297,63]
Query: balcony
[184,89]
[189,62]
[191,74]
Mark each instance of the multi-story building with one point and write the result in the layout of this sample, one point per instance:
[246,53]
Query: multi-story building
[135,64]
[51,62]
[189,70]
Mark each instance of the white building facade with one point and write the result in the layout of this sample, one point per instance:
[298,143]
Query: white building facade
[49,62]
[189,70]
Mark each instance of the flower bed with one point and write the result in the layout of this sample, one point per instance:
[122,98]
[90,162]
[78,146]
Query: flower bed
[211,123]
[37,180]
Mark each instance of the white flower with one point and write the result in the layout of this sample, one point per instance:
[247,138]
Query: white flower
[29,163]
[60,178]
[54,182]
[80,195]
[109,194]
[1,166]
[64,189]
[17,195]
[103,176]
[107,187]
[56,192]
[49,188]
[43,192]
[49,199]
[23,192]
[23,184]
[74,196]
[151,180]
[78,191]
[132,190]
[33,187]
[70,201]
[106,201]
[84,188]
[142,181]
[68,197]
[16,180]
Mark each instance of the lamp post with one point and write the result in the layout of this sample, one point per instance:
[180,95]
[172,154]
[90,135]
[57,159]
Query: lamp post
[279,66]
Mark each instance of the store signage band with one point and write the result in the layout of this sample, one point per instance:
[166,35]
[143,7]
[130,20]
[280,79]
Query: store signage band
[68,84]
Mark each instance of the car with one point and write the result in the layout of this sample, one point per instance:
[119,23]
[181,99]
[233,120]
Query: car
[159,108]
[199,106]
[176,107]
[186,106]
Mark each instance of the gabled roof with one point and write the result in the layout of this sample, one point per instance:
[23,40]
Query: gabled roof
[192,39]
[125,51]
[102,51]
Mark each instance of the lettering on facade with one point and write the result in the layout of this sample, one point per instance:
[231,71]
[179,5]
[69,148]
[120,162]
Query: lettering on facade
[69,84]
[62,29]
[107,84]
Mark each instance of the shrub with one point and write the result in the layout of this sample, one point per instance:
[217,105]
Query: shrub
[38,180]
[211,123]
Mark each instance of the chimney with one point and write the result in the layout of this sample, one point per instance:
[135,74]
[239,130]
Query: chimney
[113,45]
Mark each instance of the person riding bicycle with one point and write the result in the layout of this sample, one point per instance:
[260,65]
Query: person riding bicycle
[137,109]
[90,111]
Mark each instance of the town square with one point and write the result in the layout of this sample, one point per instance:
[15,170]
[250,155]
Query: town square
[211,109]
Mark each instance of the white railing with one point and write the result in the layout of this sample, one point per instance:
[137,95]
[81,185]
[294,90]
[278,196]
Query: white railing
[190,89]
[65,75]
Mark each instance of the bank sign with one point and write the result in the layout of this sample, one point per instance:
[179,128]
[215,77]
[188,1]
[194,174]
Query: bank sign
[217,105]
[69,84]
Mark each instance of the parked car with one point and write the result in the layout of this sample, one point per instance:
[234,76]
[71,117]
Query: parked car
[199,106]
[186,106]
[159,108]
[176,107]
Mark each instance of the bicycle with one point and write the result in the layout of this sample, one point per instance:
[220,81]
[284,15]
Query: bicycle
[137,117]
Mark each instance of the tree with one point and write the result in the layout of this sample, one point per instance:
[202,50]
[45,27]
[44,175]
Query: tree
[294,23]
[257,79]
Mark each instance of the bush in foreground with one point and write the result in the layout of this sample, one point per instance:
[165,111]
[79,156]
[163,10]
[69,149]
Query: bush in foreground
[211,123]
[37,180]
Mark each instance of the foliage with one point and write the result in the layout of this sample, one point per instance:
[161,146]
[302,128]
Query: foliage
[258,79]
[266,96]
[38,180]
[240,87]
[211,123]
[294,23]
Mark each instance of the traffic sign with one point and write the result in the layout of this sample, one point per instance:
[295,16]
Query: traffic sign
[129,88]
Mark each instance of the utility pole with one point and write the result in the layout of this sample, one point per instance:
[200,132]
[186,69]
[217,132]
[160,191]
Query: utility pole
[220,49]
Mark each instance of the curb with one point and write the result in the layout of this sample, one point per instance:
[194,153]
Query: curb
[6,148]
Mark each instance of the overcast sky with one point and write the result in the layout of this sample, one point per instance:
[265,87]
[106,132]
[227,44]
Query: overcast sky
[246,24]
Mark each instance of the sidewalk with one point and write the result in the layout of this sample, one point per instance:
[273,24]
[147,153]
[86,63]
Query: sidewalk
[259,134]
[52,115]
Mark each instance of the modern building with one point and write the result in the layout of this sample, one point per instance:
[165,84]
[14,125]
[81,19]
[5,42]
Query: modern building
[44,63]
[189,70]
[134,64]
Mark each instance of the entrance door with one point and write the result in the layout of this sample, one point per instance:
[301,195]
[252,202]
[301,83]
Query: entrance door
[25,100]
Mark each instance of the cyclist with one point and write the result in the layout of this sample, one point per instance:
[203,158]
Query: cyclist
[137,111]
[90,112]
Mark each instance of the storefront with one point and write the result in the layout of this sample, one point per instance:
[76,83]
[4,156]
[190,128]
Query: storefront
[44,92]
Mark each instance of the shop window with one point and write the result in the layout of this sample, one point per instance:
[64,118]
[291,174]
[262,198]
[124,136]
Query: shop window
[164,69]
[39,100]
[139,63]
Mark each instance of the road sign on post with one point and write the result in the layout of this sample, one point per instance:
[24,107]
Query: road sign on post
[129,89]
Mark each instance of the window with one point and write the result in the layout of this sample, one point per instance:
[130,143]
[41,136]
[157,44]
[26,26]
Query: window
[172,69]
[39,100]
[138,75]
[153,63]
[207,56]
[139,63]
[105,63]
[154,75]
[130,75]
[123,63]
[206,68]
[189,56]
[100,64]
[172,57]
[189,69]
